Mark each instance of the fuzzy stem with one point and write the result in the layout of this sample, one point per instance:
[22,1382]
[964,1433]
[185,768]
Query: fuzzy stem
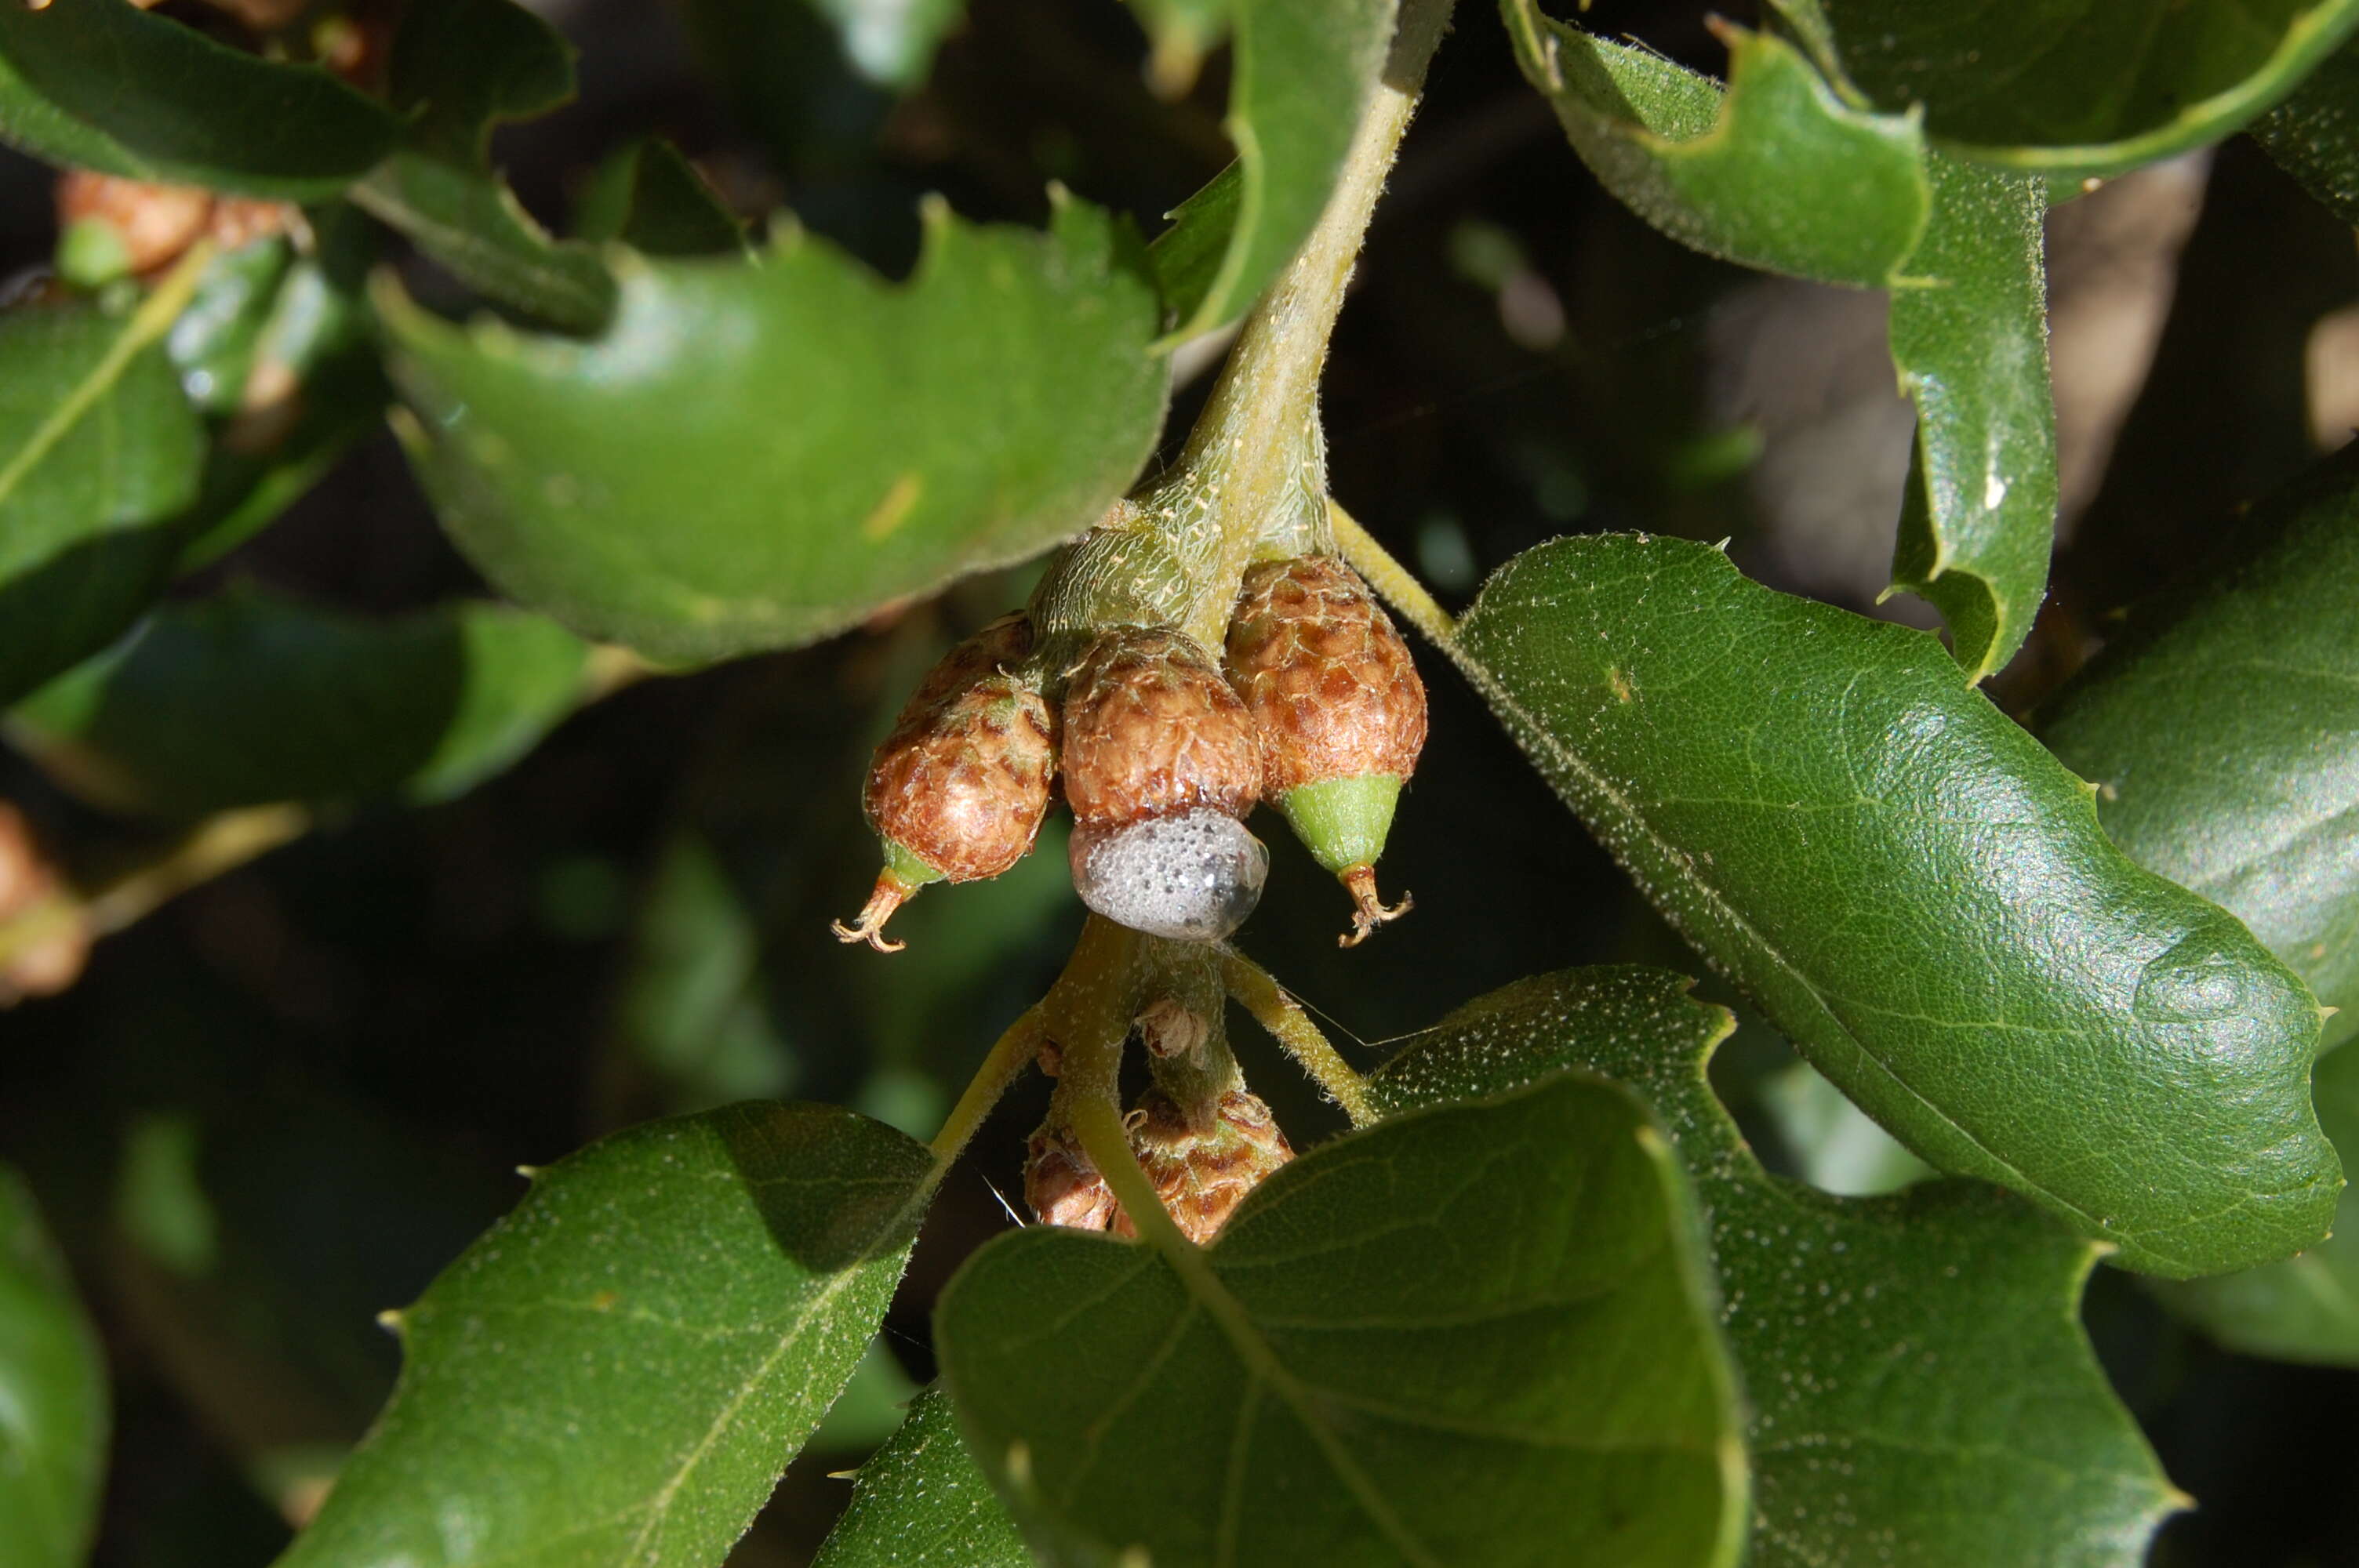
[1394,582]
[1254,448]
[1279,1013]
[222,843]
[1008,1058]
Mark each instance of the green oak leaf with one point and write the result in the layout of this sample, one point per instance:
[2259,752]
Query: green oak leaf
[1917,896]
[250,697]
[471,223]
[2253,800]
[100,452]
[458,68]
[1476,1334]
[53,1400]
[2221,730]
[2297,1309]
[2314,134]
[2074,87]
[652,198]
[1303,71]
[621,1368]
[1970,336]
[1780,173]
[920,1499]
[1777,173]
[1870,1334]
[756,454]
[103,84]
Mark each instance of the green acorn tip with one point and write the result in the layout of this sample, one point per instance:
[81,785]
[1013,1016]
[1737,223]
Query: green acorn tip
[903,875]
[1344,823]
[91,254]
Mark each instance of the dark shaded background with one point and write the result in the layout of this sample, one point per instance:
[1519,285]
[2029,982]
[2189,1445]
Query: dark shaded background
[282,1103]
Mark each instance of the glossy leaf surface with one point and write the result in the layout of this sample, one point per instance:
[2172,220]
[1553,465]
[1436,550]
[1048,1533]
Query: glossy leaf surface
[756,454]
[53,1399]
[1302,74]
[1918,896]
[1778,173]
[1969,332]
[2222,731]
[2314,134]
[102,84]
[1921,1389]
[2304,1308]
[619,1370]
[2071,87]
[1477,1335]
[249,698]
[99,452]
[922,1502]
[458,68]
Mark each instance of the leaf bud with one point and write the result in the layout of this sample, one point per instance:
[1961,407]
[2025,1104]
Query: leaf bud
[958,788]
[1339,709]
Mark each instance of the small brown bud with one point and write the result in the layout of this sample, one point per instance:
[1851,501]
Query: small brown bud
[153,223]
[1061,1185]
[1169,1027]
[1327,680]
[31,892]
[1202,1176]
[963,782]
[1151,728]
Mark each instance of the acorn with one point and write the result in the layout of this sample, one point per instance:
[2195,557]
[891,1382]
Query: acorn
[1160,763]
[1061,1185]
[1340,712]
[1204,1173]
[29,881]
[110,227]
[958,789]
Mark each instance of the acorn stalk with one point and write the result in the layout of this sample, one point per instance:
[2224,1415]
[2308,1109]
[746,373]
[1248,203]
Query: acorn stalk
[1340,712]
[958,790]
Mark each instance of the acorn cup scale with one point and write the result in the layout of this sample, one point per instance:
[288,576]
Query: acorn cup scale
[958,790]
[1340,712]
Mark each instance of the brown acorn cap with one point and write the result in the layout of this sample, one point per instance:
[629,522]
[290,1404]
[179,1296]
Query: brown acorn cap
[1202,1176]
[1061,1185]
[28,878]
[155,222]
[963,782]
[1327,680]
[1151,728]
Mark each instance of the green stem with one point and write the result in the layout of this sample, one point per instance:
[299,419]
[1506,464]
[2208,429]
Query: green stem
[1262,996]
[1394,582]
[219,844]
[1256,457]
[1008,1058]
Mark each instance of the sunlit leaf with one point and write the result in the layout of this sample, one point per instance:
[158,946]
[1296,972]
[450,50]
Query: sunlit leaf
[1473,1334]
[1921,1387]
[1918,896]
[620,1368]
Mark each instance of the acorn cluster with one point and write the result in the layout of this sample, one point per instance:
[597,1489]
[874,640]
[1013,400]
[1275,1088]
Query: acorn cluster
[1161,750]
